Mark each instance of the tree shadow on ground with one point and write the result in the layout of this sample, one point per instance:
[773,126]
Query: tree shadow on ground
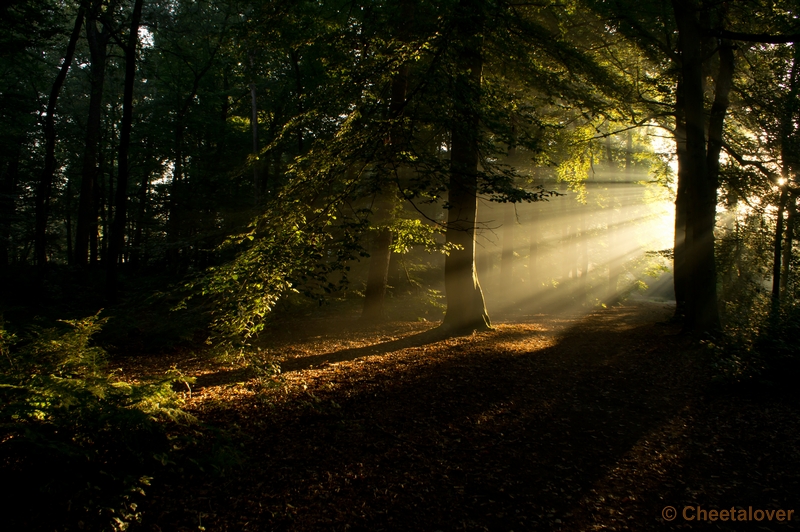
[503,430]
[428,337]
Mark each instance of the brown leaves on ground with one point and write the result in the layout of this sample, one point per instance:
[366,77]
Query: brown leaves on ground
[582,423]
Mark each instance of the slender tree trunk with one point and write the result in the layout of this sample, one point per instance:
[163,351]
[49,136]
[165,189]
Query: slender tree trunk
[68,222]
[533,250]
[584,254]
[507,284]
[86,219]
[117,240]
[141,211]
[719,109]
[381,254]
[9,177]
[789,163]
[615,261]
[254,128]
[175,201]
[380,257]
[466,308]
[788,242]
[99,217]
[298,80]
[378,275]
[45,185]
[176,205]
[776,255]
[680,268]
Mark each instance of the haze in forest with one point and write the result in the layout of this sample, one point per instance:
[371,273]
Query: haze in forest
[439,212]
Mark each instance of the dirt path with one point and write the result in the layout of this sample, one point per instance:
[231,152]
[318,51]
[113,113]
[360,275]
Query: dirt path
[541,424]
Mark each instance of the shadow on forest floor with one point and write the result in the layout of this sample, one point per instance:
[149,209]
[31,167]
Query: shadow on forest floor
[415,340]
[547,423]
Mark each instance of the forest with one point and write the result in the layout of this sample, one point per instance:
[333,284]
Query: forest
[409,265]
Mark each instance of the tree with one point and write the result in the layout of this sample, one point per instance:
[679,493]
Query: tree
[86,229]
[117,239]
[386,196]
[44,188]
[466,308]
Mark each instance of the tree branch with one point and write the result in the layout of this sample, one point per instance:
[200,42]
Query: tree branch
[764,38]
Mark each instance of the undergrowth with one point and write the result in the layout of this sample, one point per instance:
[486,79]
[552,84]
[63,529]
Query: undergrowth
[75,440]
[759,345]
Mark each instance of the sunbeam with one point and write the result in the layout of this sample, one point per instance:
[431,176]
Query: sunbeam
[563,255]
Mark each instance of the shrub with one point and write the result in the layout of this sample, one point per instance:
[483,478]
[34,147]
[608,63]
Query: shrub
[75,438]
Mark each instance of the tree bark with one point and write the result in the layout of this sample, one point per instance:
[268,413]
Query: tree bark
[466,308]
[381,254]
[45,185]
[615,262]
[117,241]
[788,242]
[9,177]
[378,275]
[294,57]
[776,251]
[176,199]
[137,254]
[86,219]
[788,166]
[679,266]
[176,203]
[254,127]
[702,313]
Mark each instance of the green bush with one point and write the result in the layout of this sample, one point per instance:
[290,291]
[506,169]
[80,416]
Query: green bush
[75,438]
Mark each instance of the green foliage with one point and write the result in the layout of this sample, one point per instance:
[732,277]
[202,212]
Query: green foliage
[760,349]
[65,415]
[58,378]
[292,248]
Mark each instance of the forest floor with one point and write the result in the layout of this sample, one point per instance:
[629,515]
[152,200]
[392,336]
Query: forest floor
[576,423]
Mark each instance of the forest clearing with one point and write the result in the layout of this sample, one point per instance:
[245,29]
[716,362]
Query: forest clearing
[568,422]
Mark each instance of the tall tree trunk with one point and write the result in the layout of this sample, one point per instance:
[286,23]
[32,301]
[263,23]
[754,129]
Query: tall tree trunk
[9,177]
[584,256]
[258,185]
[679,265]
[507,282]
[533,251]
[615,261]
[45,185]
[381,254]
[380,257]
[68,221]
[101,213]
[117,241]
[776,247]
[702,312]
[175,201]
[789,163]
[719,109]
[86,219]
[254,127]
[138,233]
[298,80]
[176,205]
[788,242]
[466,308]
